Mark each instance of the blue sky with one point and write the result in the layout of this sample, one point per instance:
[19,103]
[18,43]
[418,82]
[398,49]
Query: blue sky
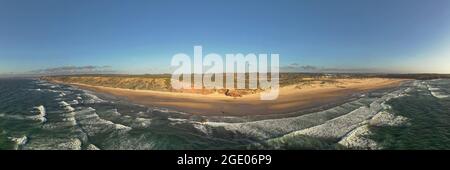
[142,36]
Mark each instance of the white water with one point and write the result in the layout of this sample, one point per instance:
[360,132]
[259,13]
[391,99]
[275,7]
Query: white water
[352,128]
[41,115]
[437,92]
[265,129]
[74,102]
[92,124]
[340,126]
[92,98]
[20,141]
[63,103]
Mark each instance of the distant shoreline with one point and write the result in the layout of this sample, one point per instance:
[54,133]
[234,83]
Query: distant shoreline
[291,99]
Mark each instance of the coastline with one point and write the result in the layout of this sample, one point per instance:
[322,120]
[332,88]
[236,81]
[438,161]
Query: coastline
[291,98]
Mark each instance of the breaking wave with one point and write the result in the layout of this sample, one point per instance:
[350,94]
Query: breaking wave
[437,92]
[93,124]
[41,115]
[91,98]
[346,126]
[19,141]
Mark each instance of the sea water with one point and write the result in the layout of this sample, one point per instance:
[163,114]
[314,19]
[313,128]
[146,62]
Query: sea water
[427,107]
[36,114]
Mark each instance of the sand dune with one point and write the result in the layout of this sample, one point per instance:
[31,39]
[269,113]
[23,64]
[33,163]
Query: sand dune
[291,98]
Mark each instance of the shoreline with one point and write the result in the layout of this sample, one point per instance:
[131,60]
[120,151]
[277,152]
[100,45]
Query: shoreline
[291,98]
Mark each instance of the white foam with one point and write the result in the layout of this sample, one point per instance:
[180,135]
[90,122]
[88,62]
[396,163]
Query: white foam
[67,106]
[72,120]
[162,110]
[180,120]
[357,139]
[54,143]
[92,147]
[72,144]
[439,95]
[54,91]
[62,94]
[385,118]
[74,102]
[41,115]
[92,98]
[436,92]
[165,110]
[269,128]
[63,103]
[120,126]
[340,126]
[433,89]
[385,106]
[142,122]
[78,97]
[44,83]
[202,128]
[92,123]
[19,141]
[19,117]
[115,112]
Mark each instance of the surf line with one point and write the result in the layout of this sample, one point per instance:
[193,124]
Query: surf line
[194,160]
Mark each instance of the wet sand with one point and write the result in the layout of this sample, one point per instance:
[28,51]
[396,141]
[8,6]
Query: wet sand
[291,98]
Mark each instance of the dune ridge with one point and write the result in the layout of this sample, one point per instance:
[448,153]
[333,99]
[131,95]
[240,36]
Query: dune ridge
[293,97]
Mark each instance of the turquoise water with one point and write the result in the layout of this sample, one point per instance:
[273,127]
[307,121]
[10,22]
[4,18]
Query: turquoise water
[35,114]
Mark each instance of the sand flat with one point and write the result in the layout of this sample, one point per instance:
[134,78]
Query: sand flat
[291,98]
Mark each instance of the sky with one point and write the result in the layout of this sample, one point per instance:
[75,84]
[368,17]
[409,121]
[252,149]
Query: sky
[136,37]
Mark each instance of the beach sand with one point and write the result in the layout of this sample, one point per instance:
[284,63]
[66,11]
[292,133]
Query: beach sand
[291,98]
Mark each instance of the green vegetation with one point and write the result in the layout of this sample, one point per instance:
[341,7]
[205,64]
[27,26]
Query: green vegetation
[161,82]
[142,82]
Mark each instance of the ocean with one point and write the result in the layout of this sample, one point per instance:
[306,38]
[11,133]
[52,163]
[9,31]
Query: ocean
[36,114]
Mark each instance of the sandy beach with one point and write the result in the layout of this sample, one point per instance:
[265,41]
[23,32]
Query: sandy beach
[291,98]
